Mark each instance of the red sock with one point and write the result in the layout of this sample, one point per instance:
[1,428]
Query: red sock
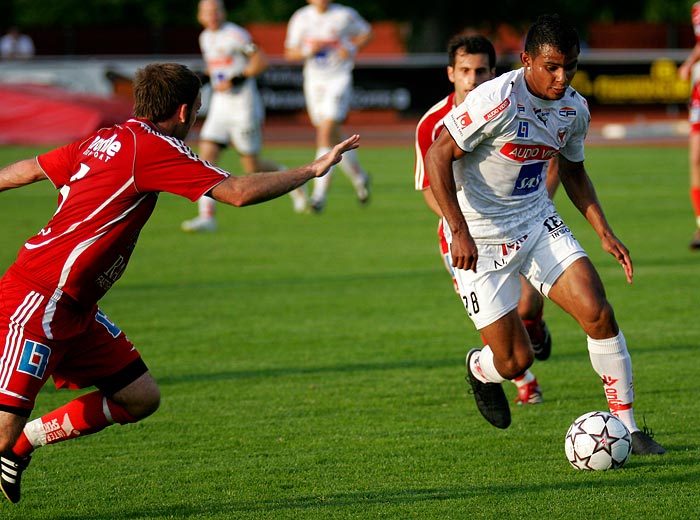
[695,199]
[85,415]
[534,328]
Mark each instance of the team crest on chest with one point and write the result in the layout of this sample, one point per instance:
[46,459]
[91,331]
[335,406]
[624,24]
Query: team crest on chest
[561,135]
[542,114]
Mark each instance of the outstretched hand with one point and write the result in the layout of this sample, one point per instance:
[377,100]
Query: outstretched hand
[324,163]
[616,248]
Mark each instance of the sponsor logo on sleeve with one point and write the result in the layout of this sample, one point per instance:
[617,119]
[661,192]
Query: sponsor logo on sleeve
[500,108]
[464,120]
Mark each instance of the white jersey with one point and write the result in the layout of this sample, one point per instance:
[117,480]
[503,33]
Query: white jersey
[235,115]
[334,28]
[510,135]
[226,51]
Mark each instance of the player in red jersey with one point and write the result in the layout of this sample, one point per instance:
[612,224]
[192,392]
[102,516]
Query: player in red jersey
[686,71]
[472,61]
[108,184]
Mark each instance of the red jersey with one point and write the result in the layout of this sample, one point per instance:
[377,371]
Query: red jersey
[427,131]
[108,187]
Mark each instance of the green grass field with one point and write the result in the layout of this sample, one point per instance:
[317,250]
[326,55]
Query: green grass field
[312,367]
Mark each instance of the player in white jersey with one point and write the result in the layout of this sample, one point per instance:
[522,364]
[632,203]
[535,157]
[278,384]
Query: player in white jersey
[327,36]
[486,172]
[472,61]
[236,110]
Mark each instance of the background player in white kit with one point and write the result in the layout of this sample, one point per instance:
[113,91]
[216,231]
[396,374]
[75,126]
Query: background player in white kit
[327,37]
[486,173]
[236,111]
[472,61]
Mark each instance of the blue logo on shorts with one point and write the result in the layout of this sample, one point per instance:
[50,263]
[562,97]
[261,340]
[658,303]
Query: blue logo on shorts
[102,318]
[35,357]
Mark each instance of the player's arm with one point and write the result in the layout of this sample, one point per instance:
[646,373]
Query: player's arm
[431,202]
[580,190]
[687,65]
[257,61]
[438,165]
[257,64]
[20,174]
[351,46]
[259,187]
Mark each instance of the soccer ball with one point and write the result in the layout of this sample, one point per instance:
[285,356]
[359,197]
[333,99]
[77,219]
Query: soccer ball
[598,441]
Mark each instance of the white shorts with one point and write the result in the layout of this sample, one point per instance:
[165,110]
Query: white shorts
[328,98]
[235,119]
[542,256]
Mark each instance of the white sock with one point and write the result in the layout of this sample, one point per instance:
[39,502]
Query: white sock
[612,362]
[321,184]
[35,433]
[527,377]
[482,367]
[350,165]
[207,207]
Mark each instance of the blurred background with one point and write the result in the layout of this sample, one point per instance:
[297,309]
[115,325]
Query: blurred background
[86,51]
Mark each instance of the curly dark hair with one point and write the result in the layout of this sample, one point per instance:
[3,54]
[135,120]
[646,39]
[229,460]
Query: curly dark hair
[551,30]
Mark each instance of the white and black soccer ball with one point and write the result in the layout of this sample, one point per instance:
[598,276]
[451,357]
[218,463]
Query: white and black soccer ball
[598,441]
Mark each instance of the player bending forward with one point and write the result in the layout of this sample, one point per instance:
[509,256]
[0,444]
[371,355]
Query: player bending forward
[472,61]
[486,172]
[108,184]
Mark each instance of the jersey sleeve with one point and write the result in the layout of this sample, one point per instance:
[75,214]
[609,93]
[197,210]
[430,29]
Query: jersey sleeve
[293,38]
[173,167]
[474,120]
[695,19]
[423,141]
[58,164]
[357,25]
[574,149]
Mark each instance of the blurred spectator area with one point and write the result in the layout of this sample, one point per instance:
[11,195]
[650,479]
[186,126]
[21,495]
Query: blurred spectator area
[389,38]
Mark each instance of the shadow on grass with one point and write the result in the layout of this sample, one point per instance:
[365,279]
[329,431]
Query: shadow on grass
[295,371]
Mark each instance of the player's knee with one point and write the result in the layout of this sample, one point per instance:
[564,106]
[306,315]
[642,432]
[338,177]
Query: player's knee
[530,305]
[518,363]
[10,429]
[147,405]
[599,320]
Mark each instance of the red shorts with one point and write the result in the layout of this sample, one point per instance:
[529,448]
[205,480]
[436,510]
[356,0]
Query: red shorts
[694,109]
[40,338]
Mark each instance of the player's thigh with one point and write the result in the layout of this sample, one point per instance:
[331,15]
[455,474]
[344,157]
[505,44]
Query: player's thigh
[101,354]
[553,249]
[328,99]
[531,301]
[247,138]
[579,291]
[216,127]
